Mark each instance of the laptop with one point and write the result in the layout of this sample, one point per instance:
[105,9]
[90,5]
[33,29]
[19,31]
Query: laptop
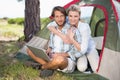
[39,53]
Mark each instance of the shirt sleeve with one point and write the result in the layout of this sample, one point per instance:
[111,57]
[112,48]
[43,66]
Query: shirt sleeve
[83,39]
[50,44]
[85,36]
[52,24]
[77,36]
[74,53]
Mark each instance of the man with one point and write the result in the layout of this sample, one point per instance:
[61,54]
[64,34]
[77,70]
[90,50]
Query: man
[59,51]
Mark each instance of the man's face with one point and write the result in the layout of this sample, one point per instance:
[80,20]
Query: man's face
[59,18]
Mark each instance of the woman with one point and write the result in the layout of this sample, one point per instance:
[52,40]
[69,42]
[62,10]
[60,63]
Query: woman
[86,47]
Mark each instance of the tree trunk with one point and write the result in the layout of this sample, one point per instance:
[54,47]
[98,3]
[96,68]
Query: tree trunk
[32,18]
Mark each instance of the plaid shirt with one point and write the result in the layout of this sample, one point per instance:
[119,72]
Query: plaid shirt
[57,44]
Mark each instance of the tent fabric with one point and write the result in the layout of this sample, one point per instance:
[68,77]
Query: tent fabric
[99,42]
[85,76]
[117,7]
[110,64]
[112,39]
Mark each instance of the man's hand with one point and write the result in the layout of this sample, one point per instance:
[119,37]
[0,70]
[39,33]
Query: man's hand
[48,50]
[63,54]
[56,54]
[49,53]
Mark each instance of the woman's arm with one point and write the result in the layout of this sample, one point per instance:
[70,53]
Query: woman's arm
[76,44]
[71,34]
[61,35]
[53,30]
[85,33]
[80,41]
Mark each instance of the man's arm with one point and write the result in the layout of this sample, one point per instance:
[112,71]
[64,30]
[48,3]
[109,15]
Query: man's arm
[50,44]
[60,54]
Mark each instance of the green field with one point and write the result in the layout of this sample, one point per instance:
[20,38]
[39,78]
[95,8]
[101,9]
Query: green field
[10,30]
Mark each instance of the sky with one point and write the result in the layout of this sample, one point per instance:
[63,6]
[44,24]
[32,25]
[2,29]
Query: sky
[13,8]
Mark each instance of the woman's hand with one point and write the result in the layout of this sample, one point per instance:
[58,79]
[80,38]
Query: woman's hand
[70,34]
[66,39]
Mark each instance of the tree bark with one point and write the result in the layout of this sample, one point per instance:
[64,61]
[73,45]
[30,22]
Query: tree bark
[32,18]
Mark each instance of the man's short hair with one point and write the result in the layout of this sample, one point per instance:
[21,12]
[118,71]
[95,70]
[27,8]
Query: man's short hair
[58,8]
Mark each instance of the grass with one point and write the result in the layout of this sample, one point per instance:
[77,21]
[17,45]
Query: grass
[10,30]
[10,67]
[19,72]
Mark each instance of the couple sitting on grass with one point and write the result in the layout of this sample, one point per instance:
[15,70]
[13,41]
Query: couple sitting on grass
[70,45]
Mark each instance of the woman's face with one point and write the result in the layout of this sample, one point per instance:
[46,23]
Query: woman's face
[74,17]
